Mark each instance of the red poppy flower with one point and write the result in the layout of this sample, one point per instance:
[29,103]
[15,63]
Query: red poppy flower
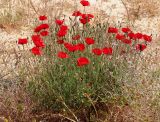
[66,44]
[36,51]
[62,55]
[42,17]
[61,33]
[90,16]
[76,37]
[64,27]
[138,35]
[120,37]
[85,3]
[127,41]
[126,30]
[132,36]
[60,41]
[82,61]
[40,27]
[107,50]
[147,38]
[44,33]
[44,26]
[89,41]
[84,21]
[76,13]
[70,47]
[22,41]
[140,47]
[87,16]
[112,30]
[37,29]
[59,22]
[97,51]
[80,47]
[37,40]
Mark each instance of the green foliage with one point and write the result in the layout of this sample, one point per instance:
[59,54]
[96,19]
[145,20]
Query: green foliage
[62,80]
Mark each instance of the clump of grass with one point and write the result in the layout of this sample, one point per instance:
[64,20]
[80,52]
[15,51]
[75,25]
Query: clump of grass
[64,85]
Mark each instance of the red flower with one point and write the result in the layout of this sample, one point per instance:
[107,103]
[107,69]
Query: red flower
[76,37]
[97,51]
[132,36]
[63,27]
[82,61]
[140,47]
[84,21]
[85,3]
[44,33]
[22,41]
[44,26]
[80,47]
[127,41]
[66,45]
[59,22]
[60,41]
[147,38]
[112,30]
[37,29]
[107,50]
[70,47]
[90,16]
[36,51]
[61,33]
[40,27]
[37,40]
[120,37]
[42,17]
[62,55]
[89,41]
[87,16]
[126,30]
[138,35]
[76,13]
